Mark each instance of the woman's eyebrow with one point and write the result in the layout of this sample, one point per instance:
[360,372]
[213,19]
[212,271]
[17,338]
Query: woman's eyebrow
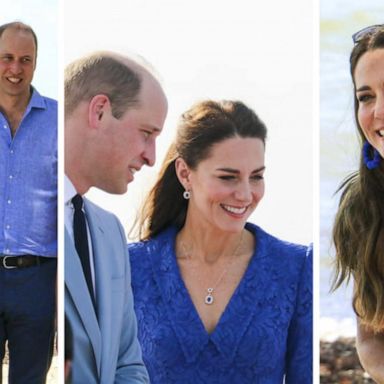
[231,170]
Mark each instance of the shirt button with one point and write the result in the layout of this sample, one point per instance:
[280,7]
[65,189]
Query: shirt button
[7,250]
[11,151]
[8,226]
[9,201]
[5,127]
[11,177]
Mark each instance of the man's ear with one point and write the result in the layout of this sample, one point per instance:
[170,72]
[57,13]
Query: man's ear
[183,173]
[98,108]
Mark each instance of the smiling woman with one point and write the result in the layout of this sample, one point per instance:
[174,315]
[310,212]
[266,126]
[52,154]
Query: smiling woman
[359,228]
[226,187]
[203,268]
[369,80]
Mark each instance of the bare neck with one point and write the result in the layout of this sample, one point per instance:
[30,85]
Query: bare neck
[208,244]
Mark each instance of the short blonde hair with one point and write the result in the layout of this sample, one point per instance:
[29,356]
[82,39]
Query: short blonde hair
[102,73]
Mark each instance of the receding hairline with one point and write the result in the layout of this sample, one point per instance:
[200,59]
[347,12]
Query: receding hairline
[138,66]
[136,63]
[20,27]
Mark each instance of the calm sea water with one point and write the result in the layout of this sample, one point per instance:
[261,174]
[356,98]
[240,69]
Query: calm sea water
[338,141]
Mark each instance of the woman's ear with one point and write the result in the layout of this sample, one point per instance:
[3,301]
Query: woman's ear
[183,173]
[98,107]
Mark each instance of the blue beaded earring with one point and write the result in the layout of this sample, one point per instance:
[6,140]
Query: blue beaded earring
[370,162]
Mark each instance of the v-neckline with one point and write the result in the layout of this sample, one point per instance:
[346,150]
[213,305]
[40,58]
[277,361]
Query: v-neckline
[188,296]
[181,310]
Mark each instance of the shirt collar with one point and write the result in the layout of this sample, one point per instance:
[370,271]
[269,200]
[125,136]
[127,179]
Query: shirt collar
[69,190]
[37,101]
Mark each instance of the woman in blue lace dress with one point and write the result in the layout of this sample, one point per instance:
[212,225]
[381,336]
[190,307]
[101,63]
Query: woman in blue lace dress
[218,300]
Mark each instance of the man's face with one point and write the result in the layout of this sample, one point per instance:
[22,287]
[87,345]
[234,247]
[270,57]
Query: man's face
[17,62]
[128,143]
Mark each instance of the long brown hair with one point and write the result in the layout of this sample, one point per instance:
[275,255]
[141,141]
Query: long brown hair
[358,231]
[205,124]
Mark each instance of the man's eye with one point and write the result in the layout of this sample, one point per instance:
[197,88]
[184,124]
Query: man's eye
[147,134]
[229,177]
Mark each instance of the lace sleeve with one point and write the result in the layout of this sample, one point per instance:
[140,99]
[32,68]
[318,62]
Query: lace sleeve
[299,348]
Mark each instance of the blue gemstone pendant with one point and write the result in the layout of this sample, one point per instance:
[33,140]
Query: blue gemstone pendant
[209,298]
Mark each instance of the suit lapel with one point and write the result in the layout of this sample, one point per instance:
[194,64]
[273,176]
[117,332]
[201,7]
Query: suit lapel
[102,237]
[100,241]
[77,287]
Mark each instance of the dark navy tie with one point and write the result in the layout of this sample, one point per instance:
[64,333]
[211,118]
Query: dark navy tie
[81,242]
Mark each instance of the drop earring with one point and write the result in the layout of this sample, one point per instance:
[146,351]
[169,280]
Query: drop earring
[186,195]
[370,162]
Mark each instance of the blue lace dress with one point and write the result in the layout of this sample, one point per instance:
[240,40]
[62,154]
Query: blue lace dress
[263,336]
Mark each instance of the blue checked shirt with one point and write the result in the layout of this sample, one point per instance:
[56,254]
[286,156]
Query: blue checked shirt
[28,181]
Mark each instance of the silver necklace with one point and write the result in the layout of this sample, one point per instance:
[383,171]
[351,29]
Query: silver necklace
[209,298]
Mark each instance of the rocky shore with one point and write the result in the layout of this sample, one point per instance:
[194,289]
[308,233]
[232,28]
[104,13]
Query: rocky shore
[339,363]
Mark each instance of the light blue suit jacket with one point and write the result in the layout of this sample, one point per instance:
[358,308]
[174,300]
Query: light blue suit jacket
[105,348]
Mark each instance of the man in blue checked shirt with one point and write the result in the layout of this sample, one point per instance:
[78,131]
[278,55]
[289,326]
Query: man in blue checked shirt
[28,210]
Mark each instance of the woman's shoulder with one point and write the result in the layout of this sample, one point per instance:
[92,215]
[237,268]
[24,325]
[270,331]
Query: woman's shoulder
[154,244]
[288,263]
[277,244]
[151,257]
[270,245]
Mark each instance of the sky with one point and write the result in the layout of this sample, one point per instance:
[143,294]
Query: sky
[215,49]
[219,50]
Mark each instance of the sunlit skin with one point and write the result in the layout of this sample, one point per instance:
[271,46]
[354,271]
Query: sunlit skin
[17,66]
[17,63]
[369,84]
[113,149]
[226,187]
[128,143]
[225,190]
[370,347]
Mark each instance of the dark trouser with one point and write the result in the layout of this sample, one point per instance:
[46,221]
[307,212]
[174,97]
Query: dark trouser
[27,317]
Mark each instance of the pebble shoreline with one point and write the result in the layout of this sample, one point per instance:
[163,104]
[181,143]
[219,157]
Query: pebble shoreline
[339,363]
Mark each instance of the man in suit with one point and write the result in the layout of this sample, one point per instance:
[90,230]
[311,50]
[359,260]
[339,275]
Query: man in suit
[114,111]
